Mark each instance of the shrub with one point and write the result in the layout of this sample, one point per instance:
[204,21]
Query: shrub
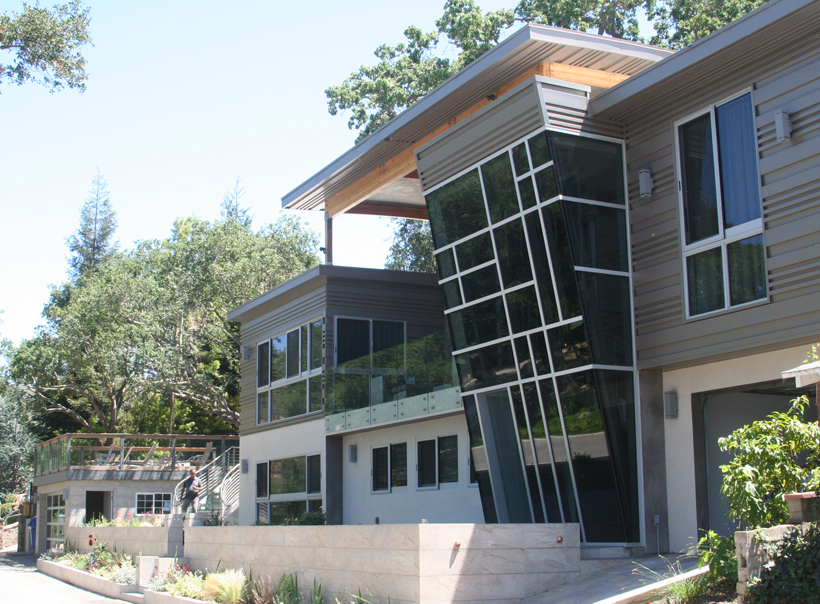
[793,573]
[226,587]
[719,553]
[772,457]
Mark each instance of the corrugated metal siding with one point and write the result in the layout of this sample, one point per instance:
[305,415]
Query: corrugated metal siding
[790,176]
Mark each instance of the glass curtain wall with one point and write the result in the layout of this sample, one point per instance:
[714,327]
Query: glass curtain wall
[532,254]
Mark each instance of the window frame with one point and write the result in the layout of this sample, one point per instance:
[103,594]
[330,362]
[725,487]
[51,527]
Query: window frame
[165,497]
[370,322]
[304,332]
[724,237]
[308,496]
[390,467]
[439,484]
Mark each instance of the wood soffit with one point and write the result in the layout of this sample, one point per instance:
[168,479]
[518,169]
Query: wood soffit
[353,199]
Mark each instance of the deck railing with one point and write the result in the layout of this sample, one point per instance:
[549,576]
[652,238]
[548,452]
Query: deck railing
[128,451]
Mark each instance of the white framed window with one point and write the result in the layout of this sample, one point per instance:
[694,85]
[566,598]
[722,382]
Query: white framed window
[153,503]
[720,207]
[389,467]
[287,488]
[289,373]
[437,462]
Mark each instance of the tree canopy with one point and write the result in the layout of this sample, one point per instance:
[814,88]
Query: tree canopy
[46,45]
[92,244]
[149,329]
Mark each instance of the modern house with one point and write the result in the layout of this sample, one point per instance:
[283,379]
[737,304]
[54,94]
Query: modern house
[628,251]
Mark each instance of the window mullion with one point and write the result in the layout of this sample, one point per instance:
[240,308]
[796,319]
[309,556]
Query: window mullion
[716,162]
[727,295]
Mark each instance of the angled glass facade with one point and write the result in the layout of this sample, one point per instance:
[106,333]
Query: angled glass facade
[532,253]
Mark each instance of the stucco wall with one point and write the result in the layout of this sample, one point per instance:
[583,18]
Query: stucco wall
[132,540]
[453,502]
[299,438]
[680,459]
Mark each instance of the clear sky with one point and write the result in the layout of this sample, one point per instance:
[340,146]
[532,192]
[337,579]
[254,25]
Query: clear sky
[184,97]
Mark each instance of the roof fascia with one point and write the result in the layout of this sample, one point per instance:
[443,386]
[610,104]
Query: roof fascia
[541,33]
[701,50]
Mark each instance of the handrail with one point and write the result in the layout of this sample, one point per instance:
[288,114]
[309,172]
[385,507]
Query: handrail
[210,475]
[229,490]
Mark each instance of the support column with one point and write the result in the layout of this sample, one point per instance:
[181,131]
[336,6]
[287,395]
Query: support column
[328,239]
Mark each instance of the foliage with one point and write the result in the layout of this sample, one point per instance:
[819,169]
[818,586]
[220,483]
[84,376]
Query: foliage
[615,18]
[102,562]
[126,520]
[682,591]
[283,591]
[311,518]
[225,587]
[679,23]
[143,342]
[16,445]
[719,553]
[412,247]
[179,581]
[771,458]
[793,575]
[91,245]
[46,45]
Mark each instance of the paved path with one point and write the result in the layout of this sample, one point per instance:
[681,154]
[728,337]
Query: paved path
[20,583]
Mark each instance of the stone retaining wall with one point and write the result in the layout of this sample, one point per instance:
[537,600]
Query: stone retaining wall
[8,535]
[751,554]
[133,540]
[425,563]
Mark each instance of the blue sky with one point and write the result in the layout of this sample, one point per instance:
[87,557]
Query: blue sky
[184,97]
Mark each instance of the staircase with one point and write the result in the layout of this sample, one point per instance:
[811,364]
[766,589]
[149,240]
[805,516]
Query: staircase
[229,491]
[212,476]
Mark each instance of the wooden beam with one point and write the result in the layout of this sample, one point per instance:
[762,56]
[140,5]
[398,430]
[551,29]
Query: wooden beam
[393,211]
[583,75]
[404,163]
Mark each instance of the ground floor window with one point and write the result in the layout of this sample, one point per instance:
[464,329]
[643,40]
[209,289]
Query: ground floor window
[55,522]
[153,503]
[389,467]
[287,488]
[285,512]
[437,461]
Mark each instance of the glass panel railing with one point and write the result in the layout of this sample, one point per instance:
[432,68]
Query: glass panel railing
[401,382]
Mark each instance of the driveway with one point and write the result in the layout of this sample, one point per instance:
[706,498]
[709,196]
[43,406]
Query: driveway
[20,583]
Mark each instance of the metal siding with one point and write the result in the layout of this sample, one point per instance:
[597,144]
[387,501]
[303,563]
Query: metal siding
[790,192]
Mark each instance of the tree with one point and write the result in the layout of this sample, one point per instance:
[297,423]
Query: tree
[16,445]
[46,45]
[92,244]
[615,18]
[412,247]
[679,23]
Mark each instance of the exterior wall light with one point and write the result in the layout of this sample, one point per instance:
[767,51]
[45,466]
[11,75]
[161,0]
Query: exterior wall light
[645,183]
[782,126]
[670,404]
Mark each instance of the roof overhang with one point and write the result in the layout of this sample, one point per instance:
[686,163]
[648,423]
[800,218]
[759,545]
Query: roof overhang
[528,47]
[751,38]
[804,375]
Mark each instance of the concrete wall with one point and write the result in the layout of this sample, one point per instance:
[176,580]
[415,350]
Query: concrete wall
[301,437]
[132,540]
[424,563]
[680,446]
[455,502]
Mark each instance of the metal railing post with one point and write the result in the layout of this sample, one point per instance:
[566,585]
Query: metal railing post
[68,452]
[173,453]
[122,452]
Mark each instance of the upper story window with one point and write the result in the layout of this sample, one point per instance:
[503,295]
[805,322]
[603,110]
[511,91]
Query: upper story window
[289,373]
[720,207]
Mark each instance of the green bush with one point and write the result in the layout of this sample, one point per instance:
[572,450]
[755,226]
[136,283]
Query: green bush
[226,587]
[719,553]
[773,457]
[793,574]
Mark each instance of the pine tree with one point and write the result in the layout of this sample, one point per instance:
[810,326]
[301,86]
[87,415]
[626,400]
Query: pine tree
[92,245]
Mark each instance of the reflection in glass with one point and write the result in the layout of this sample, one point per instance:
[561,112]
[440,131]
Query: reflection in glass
[288,475]
[523,307]
[316,345]
[447,459]
[588,168]
[352,339]
[737,149]
[616,392]
[562,265]
[452,295]
[262,408]
[263,365]
[285,512]
[513,258]
[381,469]
[568,344]
[591,463]
[278,356]
[545,180]
[522,351]
[504,458]
[488,366]
[478,457]
[499,186]
[483,322]
[398,465]
[529,456]
[303,348]
[527,192]
[314,473]
[293,354]
[456,209]
[426,460]
[700,215]
[476,250]
[288,401]
[315,388]
[607,314]
[543,453]
[543,277]
[539,350]
[598,236]
[480,283]
[446,264]
[539,149]
[747,270]
[520,159]
[704,275]
[559,451]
